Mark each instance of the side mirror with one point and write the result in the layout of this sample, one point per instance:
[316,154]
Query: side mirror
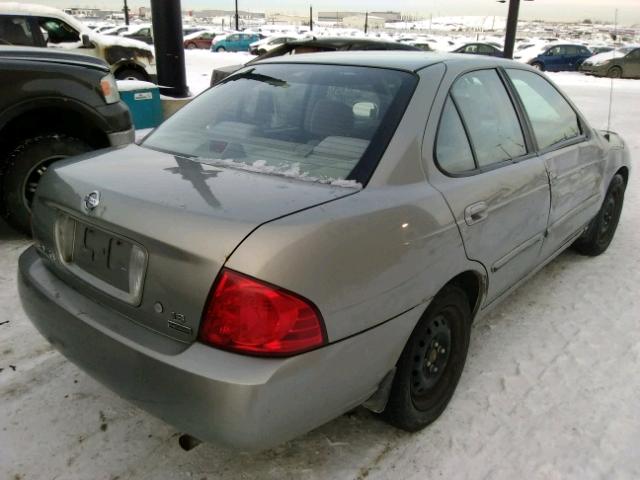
[86,42]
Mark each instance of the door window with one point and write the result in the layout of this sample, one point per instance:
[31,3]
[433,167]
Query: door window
[453,152]
[635,55]
[555,51]
[490,118]
[552,118]
[471,49]
[15,31]
[58,31]
[571,50]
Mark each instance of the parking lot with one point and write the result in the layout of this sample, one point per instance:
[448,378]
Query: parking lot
[550,389]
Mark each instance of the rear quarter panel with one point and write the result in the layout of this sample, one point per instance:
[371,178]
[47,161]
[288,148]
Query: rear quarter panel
[363,259]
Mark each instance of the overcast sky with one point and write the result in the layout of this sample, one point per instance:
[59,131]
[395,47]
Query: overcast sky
[628,10]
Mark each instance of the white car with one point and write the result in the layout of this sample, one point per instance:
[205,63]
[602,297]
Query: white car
[267,44]
[41,26]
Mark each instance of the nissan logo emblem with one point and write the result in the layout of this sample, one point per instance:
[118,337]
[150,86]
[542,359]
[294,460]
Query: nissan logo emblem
[92,200]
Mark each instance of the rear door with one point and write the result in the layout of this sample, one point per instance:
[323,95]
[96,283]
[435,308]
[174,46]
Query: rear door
[554,59]
[575,165]
[497,189]
[572,57]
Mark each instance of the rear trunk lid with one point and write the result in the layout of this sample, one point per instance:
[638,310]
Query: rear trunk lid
[160,222]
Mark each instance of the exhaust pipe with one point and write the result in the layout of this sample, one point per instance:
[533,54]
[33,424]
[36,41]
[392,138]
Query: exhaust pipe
[187,442]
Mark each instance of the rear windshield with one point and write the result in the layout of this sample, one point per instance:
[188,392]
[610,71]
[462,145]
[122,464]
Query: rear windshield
[321,123]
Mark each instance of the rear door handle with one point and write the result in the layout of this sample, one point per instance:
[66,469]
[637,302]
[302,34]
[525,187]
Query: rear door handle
[475,213]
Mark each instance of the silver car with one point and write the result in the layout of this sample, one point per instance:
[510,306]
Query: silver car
[313,234]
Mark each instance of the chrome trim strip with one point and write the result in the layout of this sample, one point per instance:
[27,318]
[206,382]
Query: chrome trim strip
[501,262]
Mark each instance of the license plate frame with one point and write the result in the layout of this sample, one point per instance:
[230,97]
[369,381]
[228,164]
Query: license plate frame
[103,259]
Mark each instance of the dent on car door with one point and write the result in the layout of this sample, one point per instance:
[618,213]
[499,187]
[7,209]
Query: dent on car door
[500,205]
[575,165]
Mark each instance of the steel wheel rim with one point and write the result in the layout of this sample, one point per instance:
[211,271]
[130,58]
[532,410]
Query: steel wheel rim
[431,357]
[609,219]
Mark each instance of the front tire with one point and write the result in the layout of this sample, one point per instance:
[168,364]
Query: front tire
[25,166]
[431,363]
[614,72]
[538,66]
[221,49]
[191,46]
[131,74]
[596,239]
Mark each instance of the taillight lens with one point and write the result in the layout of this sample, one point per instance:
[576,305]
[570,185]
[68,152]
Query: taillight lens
[249,316]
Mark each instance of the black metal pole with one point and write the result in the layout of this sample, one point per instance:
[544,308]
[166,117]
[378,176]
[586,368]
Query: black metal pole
[167,35]
[366,21]
[311,18]
[512,26]
[126,13]
[237,21]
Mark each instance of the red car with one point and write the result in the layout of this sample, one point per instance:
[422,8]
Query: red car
[199,40]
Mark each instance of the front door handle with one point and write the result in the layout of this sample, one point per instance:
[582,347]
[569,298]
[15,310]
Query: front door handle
[475,213]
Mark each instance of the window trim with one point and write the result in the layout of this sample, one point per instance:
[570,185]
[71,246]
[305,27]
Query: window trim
[585,132]
[530,153]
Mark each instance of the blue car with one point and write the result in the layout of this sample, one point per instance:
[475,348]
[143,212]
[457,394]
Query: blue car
[234,42]
[561,57]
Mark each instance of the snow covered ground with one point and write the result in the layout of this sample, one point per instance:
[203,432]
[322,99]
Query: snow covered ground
[551,388]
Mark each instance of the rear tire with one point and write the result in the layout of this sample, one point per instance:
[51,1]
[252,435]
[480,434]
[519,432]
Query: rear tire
[614,72]
[596,239]
[431,363]
[25,166]
[131,74]
[191,46]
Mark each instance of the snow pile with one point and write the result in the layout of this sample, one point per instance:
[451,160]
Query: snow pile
[287,170]
[468,22]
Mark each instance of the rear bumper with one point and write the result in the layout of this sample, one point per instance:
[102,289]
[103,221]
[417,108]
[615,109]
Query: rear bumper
[239,401]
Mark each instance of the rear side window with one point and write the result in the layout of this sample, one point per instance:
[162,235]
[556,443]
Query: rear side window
[489,116]
[15,31]
[453,152]
[552,118]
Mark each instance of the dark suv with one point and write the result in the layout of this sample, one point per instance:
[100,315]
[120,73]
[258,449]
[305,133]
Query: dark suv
[51,107]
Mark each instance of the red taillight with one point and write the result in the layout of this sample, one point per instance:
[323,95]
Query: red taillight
[248,316]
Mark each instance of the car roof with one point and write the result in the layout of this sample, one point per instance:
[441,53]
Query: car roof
[393,59]
[27,9]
